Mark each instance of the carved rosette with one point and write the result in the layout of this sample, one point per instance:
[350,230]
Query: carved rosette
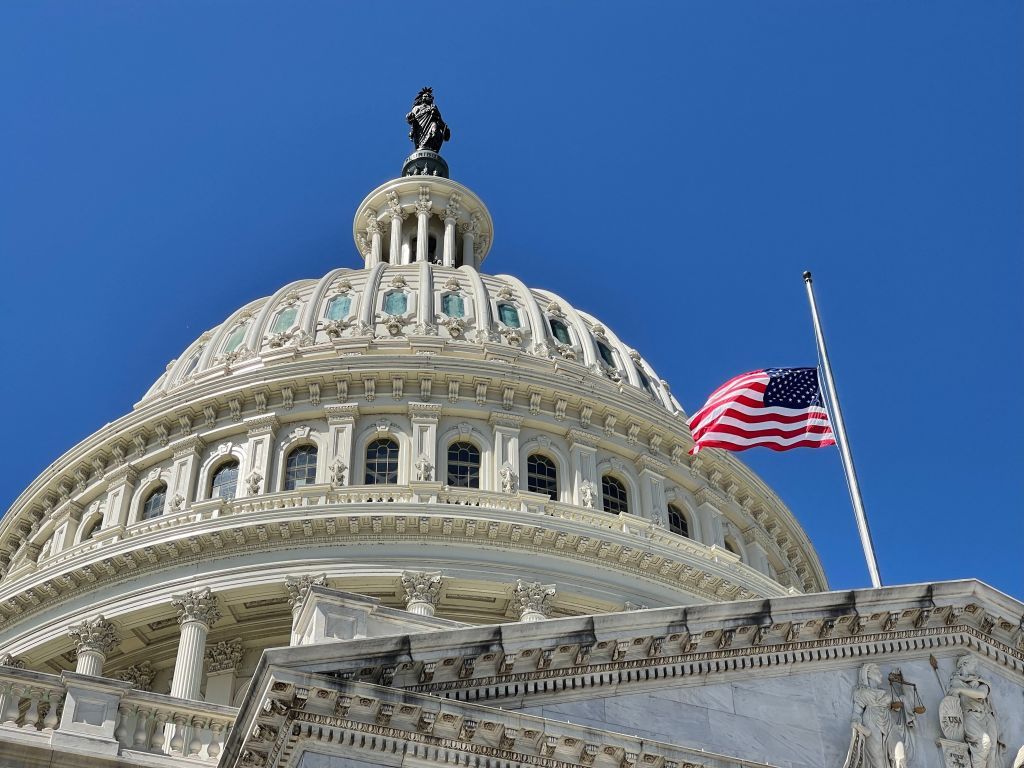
[198,605]
[298,588]
[422,591]
[531,600]
[139,675]
[225,656]
[96,635]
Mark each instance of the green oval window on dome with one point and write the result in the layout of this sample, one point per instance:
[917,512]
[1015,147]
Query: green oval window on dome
[395,303]
[285,320]
[509,315]
[338,308]
[453,305]
[235,339]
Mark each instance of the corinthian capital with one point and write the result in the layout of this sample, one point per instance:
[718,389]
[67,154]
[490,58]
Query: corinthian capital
[96,635]
[421,587]
[298,587]
[197,605]
[532,598]
[225,655]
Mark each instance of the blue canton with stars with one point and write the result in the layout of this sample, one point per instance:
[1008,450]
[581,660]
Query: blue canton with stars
[793,388]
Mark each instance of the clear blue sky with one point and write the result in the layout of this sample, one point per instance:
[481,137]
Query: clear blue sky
[672,167]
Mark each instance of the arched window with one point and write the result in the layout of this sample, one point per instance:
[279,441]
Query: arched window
[92,529]
[338,307]
[613,495]
[560,331]
[382,462]
[463,465]
[509,315]
[235,339]
[677,521]
[300,467]
[606,354]
[453,305]
[225,481]
[541,475]
[395,303]
[154,503]
[285,320]
[731,546]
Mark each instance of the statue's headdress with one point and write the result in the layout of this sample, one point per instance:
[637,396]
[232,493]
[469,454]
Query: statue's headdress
[426,95]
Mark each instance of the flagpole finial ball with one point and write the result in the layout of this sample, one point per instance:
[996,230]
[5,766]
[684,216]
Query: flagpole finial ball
[807,277]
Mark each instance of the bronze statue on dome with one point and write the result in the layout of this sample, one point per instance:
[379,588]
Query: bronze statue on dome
[428,130]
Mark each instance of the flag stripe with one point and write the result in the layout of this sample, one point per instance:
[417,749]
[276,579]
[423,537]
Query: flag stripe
[777,408]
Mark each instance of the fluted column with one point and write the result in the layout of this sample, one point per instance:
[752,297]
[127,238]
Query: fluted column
[395,212]
[298,587]
[422,591]
[450,215]
[197,612]
[374,233]
[531,600]
[468,230]
[94,639]
[423,206]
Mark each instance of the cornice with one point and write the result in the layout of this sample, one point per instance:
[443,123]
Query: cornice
[155,428]
[291,708]
[354,514]
[694,642]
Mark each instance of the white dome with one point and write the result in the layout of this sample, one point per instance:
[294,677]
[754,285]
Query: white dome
[410,417]
[397,308]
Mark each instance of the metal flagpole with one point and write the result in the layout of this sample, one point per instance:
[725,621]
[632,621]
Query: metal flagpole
[844,445]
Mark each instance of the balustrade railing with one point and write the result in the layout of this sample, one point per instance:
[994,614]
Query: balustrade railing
[30,701]
[34,706]
[162,725]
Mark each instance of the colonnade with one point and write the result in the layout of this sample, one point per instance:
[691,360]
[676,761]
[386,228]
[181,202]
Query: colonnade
[453,220]
[199,610]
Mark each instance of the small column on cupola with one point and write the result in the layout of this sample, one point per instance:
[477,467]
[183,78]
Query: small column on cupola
[423,216]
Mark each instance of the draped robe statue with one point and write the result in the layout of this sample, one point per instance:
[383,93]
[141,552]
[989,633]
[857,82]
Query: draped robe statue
[428,130]
[878,739]
[973,697]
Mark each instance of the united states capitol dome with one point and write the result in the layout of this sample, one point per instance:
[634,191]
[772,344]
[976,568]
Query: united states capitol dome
[408,429]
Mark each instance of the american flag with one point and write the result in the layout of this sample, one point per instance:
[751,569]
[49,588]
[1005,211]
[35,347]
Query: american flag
[778,408]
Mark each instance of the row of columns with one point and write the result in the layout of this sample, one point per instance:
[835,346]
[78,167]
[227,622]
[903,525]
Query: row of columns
[422,208]
[198,610]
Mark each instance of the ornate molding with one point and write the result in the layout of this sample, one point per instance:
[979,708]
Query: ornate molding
[198,605]
[531,598]
[298,587]
[139,675]
[97,635]
[224,656]
[421,587]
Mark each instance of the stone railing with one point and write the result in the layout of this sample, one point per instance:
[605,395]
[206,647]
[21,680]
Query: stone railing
[78,714]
